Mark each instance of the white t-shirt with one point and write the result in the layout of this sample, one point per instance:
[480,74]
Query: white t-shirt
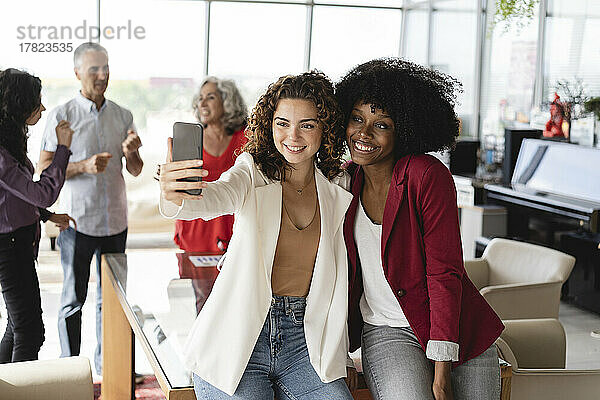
[378,304]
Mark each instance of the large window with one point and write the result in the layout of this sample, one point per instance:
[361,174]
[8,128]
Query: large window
[453,52]
[368,3]
[444,35]
[345,37]
[516,61]
[571,46]
[416,36]
[26,26]
[23,23]
[509,72]
[256,42]
[154,74]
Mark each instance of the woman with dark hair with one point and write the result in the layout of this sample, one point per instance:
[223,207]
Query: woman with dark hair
[22,203]
[275,321]
[426,331]
[220,108]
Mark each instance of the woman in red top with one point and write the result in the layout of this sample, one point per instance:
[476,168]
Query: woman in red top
[426,331]
[221,110]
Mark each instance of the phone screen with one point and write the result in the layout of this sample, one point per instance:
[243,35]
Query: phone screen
[187,145]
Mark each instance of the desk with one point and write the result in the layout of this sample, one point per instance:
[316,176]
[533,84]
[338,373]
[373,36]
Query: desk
[155,296]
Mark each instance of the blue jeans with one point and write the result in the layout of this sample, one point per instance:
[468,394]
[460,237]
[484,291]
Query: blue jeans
[279,364]
[76,251]
[395,367]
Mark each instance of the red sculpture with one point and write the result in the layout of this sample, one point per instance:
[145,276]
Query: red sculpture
[558,125]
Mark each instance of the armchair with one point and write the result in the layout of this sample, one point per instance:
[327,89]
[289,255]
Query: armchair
[61,379]
[520,280]
[536,350]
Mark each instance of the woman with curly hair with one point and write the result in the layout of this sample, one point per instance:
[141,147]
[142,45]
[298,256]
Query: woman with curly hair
[221,110]
[426,331]
[275,321]
[22,205]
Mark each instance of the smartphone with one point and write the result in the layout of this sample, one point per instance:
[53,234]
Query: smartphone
[187,145]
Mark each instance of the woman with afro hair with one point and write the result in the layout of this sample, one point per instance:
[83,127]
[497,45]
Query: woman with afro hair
[275,322]
[22,205]
[425,330]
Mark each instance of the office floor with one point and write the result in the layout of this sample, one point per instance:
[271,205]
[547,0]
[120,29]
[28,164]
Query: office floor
[583,351]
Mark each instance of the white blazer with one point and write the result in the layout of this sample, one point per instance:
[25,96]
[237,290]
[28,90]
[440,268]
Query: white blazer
[225,332]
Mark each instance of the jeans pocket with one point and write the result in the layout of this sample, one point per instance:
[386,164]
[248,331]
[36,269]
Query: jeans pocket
[297,316]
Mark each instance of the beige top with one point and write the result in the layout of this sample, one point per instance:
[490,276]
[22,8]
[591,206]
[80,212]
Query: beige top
[221,341]
[295,256]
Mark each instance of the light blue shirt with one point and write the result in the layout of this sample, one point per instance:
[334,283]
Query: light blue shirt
[98,202]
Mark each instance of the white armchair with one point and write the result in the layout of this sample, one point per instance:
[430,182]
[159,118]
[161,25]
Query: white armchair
[520,280]
[62,379]
[536,350]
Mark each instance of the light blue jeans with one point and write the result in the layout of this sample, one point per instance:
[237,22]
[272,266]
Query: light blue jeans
[76,251]
[279,364]
[396,368]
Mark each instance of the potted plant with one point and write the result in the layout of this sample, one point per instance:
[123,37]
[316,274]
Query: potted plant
[592,105]
[572,96]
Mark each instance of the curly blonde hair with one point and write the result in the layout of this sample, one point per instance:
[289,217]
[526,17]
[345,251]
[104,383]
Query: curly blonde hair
[315,87]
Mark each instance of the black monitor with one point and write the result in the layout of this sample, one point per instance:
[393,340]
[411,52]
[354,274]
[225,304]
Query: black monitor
[512,144]
[463,158]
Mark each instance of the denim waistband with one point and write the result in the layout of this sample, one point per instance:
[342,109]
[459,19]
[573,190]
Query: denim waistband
[287,302]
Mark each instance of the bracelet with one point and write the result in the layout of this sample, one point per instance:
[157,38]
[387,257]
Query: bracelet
[157,173]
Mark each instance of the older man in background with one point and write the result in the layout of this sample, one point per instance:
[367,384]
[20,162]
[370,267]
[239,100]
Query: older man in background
[94,192]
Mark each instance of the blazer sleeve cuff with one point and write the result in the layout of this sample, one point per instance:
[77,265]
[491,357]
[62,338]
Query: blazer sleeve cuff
[440,350]
[168,209]
[349,361]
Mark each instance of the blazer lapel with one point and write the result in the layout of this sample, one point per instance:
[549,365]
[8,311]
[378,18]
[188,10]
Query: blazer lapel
[393,202]
[333,202]
[268,203]
[357,182]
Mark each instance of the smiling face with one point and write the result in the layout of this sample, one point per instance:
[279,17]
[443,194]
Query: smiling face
[296,131]
[370,135]
[35,115]
[93,74]
[210,104]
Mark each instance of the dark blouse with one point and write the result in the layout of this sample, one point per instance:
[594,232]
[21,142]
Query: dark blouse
[23,201]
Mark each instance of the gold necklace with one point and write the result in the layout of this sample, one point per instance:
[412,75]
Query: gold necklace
[299,191]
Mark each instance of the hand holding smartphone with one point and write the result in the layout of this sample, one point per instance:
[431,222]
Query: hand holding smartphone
[187,145]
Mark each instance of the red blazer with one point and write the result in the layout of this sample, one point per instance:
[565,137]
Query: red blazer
[422,259]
